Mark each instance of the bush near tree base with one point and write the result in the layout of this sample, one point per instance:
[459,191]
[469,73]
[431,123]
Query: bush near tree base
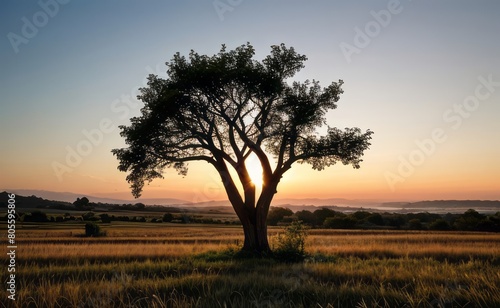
[291,244]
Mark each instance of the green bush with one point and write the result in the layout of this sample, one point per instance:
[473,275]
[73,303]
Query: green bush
[440,225]
[306,217]
[93,229]
[105,218]
[291,244]
[90,216]
[415,224]
[276,214]
[340,222]
[168,217]
[375,219]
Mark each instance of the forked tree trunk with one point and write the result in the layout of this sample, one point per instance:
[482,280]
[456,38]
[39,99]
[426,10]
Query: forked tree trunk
[252,215]
[255,237]
[255,227]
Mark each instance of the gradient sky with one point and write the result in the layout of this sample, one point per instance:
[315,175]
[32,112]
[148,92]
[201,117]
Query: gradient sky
[423,75]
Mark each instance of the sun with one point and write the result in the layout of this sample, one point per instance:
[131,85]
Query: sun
[255,170]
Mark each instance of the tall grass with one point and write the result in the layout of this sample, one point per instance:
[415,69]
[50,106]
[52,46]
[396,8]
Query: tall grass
[193,267]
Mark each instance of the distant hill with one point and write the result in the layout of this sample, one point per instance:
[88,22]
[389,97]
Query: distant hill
[445,205]
[71,197]
[30,202]
[339,202]
[44,198]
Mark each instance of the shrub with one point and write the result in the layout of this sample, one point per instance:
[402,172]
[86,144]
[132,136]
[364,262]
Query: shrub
[290,244]
[105,218]
[276,214]
[322,214]
[375,219]
[168,217]
[360,215]
[340,222]
[440,225]
[36,216]
[306,217]
[93,229]
[185,219]
[81,203]
[415,224]
[90,216]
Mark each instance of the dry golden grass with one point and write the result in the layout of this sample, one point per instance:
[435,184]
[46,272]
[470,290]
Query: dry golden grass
[159,265]
[173,242]
[451,245]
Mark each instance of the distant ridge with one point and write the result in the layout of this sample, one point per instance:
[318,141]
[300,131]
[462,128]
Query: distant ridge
[443,204]
[435,206]
[29,201]
[71,197]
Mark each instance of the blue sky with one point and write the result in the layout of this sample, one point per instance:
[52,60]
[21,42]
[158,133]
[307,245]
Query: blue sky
[85,63]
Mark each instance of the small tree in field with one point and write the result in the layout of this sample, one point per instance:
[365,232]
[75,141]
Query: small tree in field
[81,203]
[223,108]
[93,229]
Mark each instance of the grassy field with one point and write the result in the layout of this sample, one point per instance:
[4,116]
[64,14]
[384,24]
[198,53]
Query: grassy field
[172,265]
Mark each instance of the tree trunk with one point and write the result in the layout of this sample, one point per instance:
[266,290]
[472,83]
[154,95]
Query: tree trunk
[255,238]
[255,227]
[253,215]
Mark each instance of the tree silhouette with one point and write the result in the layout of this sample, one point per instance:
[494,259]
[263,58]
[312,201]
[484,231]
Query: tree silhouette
[80,203]
[223,108]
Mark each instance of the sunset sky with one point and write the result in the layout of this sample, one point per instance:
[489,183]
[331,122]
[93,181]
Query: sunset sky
[423,75]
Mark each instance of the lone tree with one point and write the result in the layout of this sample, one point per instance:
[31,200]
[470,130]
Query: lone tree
[80,203]
[223,108]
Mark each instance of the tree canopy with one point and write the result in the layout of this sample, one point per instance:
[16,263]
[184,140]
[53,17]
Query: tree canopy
[223,108]
[83,202]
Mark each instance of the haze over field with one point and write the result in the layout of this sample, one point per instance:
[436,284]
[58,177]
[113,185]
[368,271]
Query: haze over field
[308,204]
[423,75]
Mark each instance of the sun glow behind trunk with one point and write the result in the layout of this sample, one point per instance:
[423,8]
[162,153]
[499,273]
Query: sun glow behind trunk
[255,170]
